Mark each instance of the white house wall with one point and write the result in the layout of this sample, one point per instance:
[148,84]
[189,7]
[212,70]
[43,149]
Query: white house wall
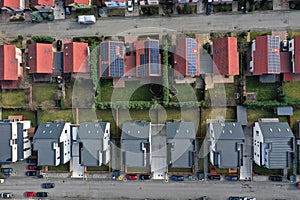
[257,139]
[65,138]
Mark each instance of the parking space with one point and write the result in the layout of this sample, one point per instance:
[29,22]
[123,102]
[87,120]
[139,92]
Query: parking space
[19,168]
[246,169]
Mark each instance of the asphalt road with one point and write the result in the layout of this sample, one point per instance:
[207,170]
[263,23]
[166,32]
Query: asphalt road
[272,20]
[100,189]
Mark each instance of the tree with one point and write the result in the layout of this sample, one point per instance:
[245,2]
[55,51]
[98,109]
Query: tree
[165,75]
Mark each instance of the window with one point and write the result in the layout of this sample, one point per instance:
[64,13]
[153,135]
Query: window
[66,131]
[257,133]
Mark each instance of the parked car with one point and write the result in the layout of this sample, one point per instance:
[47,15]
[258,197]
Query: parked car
[58,45]
[284,46]
[31,160]
[2,180]
[276,178]
[7,170]
[5,176]
[42,194]
[204,198]
[48,185]
[86,19]
[30,194]
[231,178]
[116,174]
[236,198]
[30,173]
[131,177]
[214,177]
[31,167]
[145,177]
[200,176]
[177,178]
[208,8]
[6,195]
[249,198]
[129,6]
[136,2]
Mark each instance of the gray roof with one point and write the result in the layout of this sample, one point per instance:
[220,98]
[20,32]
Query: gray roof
[228,130]
[50,130]
[181,143]
[180,130]
[285,111]
[91,130]
[276,130]
[135,130]
[58,61]
[135,135]
[5,148]
[241,112]
[206,63]
[46,154]
[91,135]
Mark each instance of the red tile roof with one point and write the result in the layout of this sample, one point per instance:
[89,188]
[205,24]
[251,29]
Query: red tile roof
[261,57]
[226,56]
[11,3]
[40,58]
[181,58]
[297,54]
[42,2]
[86,2]
[76,57]
[129,66]
[8,63]
[285,62]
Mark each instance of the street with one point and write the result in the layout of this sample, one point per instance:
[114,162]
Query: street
[106,189]
[272,20]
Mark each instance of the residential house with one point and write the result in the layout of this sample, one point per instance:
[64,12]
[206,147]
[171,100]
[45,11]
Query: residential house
[136,146]
[10,66]
[34,3]
[93,138]
[187,57]
[76,56]
[226,56]
[111,59]
[294,48]
[77,2]
[40,60]
[14,141]
[147,58]
[15,5]
[181,139]
[52,141]
[265,55]
[227,140]
[273,144]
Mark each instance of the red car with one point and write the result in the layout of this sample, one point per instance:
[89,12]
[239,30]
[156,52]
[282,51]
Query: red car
[30,194]
[131,177]
[31,167]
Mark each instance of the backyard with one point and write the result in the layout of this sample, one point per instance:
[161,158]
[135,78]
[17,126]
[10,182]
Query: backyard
[28,115]
[253,115]
[264,91]
[43,94]
[291,89]
[13,98]
[221,95]
[185,92]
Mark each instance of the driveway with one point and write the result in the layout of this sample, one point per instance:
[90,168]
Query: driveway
[246,169]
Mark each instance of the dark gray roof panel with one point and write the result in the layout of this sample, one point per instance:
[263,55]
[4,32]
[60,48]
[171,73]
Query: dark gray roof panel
[49,130]
[285,111]
[276,130]
[5,148]
[91,130]
[242,115]
[228,130]
[184,130]
[136,130]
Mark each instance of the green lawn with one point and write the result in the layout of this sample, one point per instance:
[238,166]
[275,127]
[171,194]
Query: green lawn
[253,35]
[221,94]
[43,94]
[51,115]
[264,91]
[213,113]
[291,89]
[184,170]
[185,92]
[264,171]
[98,168]
[293,33]
[253,115]
[29,115]
[64,167]
[13,98]
[296,116]
[133,91]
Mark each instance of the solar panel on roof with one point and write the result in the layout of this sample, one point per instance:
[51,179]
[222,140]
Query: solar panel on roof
[273,54]
[154,57]
[192,56]
[116,59]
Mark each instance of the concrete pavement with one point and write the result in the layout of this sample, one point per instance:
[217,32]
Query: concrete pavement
[271,20]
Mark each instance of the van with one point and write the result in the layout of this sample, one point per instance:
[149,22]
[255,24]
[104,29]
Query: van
[6,170]
[86,19]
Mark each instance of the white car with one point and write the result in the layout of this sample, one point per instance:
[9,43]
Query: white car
[1,180]
[86,19]
[129,6]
